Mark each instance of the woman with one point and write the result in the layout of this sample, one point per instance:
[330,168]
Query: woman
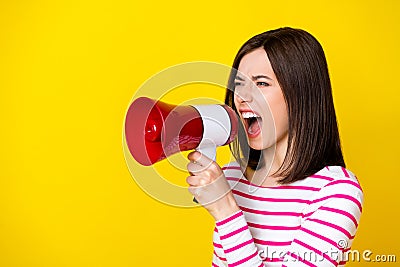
[292,202]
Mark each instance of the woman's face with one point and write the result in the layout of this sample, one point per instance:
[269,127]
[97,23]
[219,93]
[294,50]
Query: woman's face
[260,101]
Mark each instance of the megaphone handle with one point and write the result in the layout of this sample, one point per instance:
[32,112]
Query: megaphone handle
[210,151]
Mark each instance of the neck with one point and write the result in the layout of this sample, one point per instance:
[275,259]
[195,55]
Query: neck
[272,158]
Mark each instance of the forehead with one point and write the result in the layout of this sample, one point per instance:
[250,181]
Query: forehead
[255,62]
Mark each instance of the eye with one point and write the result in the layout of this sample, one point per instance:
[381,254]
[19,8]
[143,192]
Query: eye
[238,84]
[262,84]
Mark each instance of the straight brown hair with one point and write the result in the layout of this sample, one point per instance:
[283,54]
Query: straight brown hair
[300,66]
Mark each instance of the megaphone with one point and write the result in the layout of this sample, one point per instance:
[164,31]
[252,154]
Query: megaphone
[155,130]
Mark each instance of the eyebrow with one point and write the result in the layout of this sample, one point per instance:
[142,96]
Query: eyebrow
[256,77]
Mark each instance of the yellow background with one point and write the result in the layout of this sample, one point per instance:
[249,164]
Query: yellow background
[68,70]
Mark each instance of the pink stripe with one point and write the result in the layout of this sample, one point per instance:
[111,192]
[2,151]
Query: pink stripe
[345,213]
[272,259]
[214,265]
[231,168]
[272,243]
[333,243]
[340,196]
[334,226]
[296,187]
[297,257]
[230,218]
[356,179]
[216,245]
[273,227]
[321,177]
[222,237]
[275,213]
[222,259]
[251,241]
[345,182]
[261,265]
[345,172]
[243,260]
[327,168]
[315,250]
[296,200]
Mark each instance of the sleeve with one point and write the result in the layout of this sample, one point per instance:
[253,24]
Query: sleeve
[237,242]
[328,227]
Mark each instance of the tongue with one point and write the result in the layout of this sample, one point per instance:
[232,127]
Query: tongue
[254,127]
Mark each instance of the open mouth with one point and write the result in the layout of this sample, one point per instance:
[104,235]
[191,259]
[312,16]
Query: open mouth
[252,123]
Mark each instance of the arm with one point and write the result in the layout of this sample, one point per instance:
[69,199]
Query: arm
[237,242]
[328,226]
[210,188]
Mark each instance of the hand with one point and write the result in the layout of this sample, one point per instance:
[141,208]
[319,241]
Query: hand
[208,185]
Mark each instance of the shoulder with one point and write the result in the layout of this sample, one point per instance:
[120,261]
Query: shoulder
[330,176]
[340,178]
[338,187]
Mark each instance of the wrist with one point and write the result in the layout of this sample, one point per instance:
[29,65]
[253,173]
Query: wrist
[228,207]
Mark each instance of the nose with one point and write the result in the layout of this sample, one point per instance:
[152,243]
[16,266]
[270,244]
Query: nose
[243,94]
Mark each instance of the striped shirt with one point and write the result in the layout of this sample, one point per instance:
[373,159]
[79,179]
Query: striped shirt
[311,222]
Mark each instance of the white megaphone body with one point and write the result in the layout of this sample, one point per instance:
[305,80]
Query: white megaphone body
[155,130]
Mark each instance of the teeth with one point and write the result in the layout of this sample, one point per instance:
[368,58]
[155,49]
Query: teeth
[247,115]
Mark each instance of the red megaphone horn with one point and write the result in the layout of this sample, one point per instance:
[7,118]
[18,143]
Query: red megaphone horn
[155,130]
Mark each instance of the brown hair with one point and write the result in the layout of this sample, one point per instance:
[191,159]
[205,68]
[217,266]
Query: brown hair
[300,66]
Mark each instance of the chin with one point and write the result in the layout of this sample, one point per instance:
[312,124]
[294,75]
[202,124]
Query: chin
[260,144]
[256,144]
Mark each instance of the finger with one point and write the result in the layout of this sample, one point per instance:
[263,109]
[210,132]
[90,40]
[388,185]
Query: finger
[195,168]
[200,158]
[211,192]
[196,181]
[195,191]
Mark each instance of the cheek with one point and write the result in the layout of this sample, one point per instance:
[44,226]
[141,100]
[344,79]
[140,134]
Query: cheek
[236,102]
[281,117]
[278,115]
